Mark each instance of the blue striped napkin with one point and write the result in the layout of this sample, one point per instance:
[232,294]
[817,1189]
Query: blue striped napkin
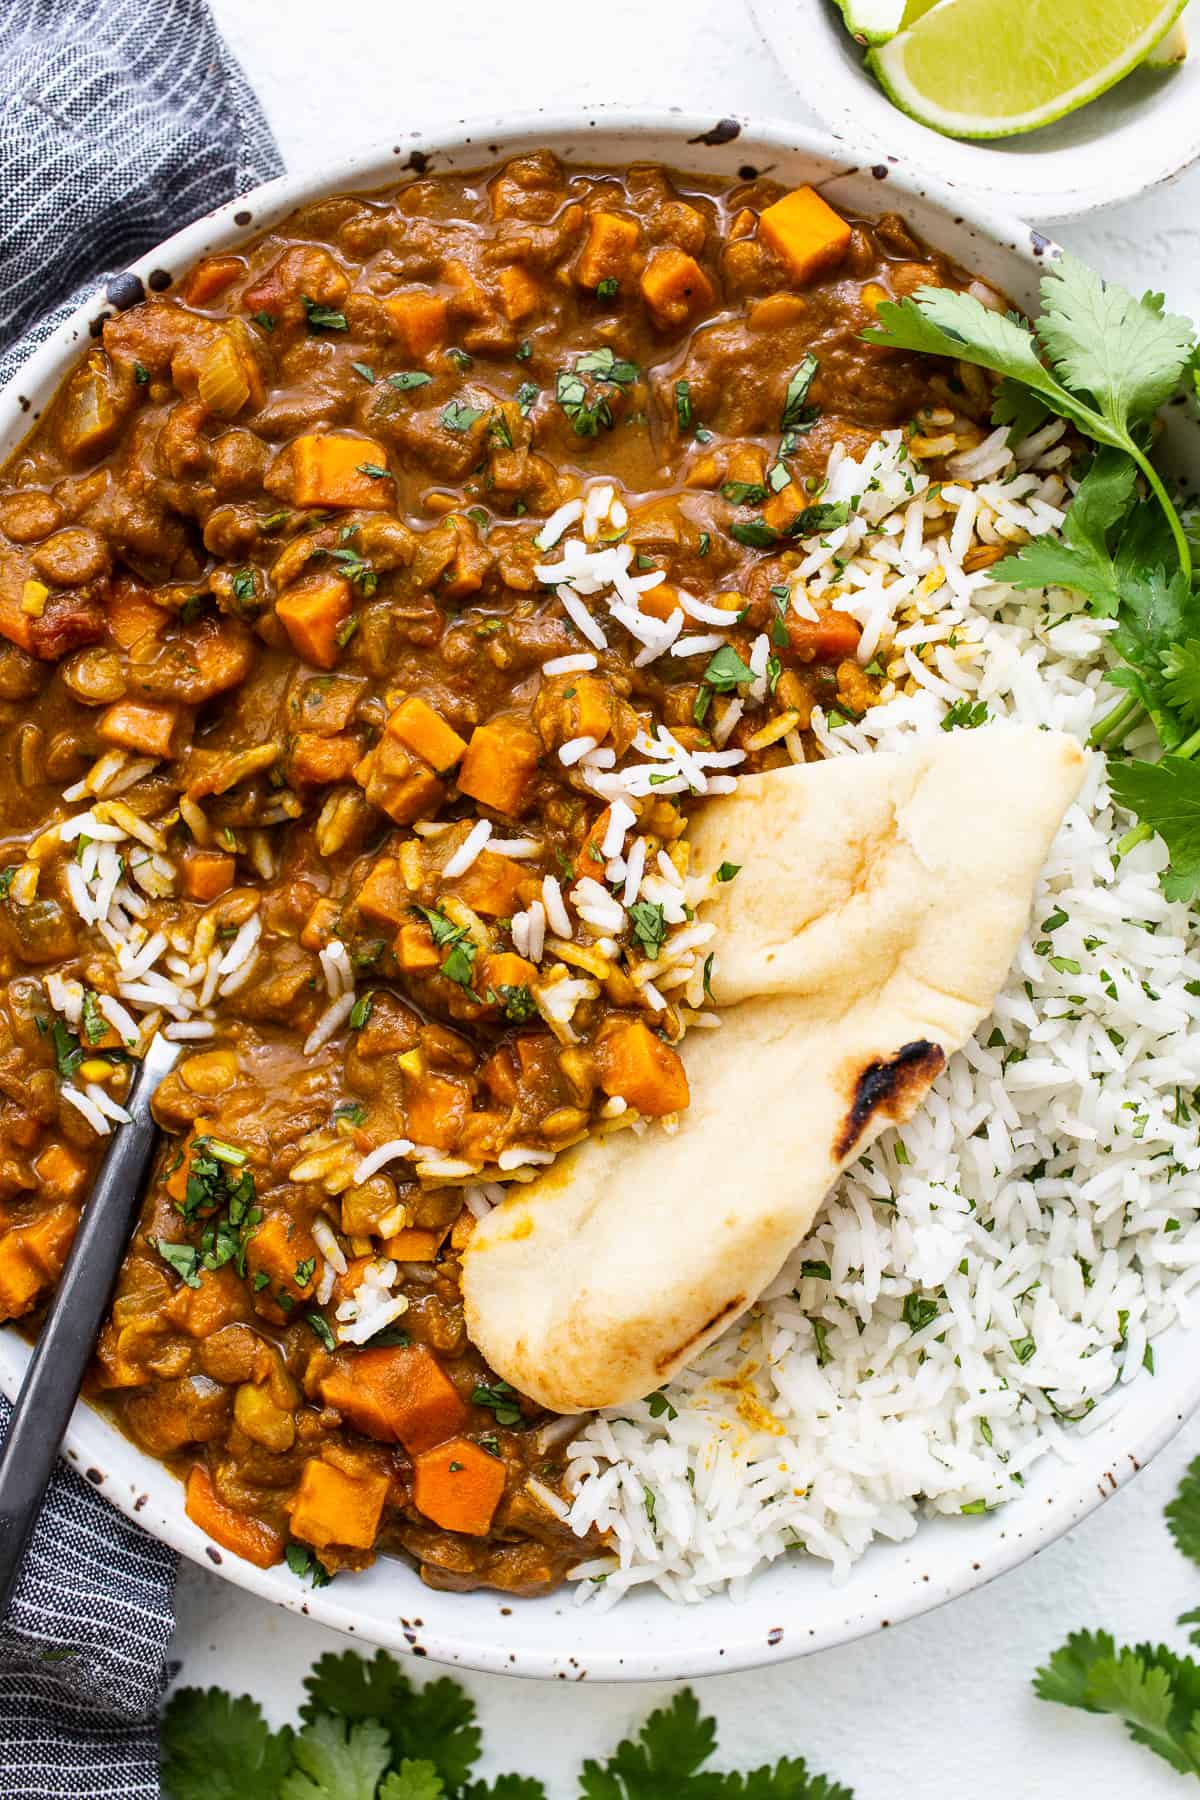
[120,120]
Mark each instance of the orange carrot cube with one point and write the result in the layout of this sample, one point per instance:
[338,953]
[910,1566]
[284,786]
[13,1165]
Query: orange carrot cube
[675,287]
[143,725]
[459,1486]
[805,233]
[311,613]
[423,731]
[331,1507]
[418,319]
[610,249]
[207,874]
[329,469]
[500,763]
[646,1073]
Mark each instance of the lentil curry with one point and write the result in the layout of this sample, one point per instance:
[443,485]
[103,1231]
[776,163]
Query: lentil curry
[374,608]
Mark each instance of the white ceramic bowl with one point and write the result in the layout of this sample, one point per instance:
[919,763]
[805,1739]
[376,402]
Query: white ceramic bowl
[792,1607]
[1143,132]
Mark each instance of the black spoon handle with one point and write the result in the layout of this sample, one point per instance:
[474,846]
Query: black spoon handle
[56,1368]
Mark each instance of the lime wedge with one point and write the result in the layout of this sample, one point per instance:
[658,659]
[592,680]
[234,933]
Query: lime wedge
[987,68]
[872,21]
[877,21]
[1171,49]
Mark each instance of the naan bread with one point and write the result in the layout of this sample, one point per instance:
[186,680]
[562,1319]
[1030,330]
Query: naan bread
[880,902]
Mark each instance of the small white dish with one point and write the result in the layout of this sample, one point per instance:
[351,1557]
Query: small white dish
[1143,132]
[794,1606]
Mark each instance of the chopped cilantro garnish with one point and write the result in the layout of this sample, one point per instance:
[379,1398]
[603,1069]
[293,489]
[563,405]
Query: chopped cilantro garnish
[501,1400]
[323,318]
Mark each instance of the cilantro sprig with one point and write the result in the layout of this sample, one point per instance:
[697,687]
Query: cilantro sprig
[368,1733]
[1106,362]
[1096,356]
[1152,1689]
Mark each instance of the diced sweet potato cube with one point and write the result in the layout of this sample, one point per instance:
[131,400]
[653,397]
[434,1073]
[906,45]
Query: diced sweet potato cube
[500,763]
[311,612]
[219,1300]
[383,895]
[62,1175]
[48,1239]
[397,1395]
[415,950]
[327,470]
[805,233]
[425,732]
[591,713]
[143,725]
[784,508]
[250,1538]
[399,783]
[16,625]
[459,1486]
[331,1507]
[610,249]
[279,1247]
[646,1073]
[416,1243]
[131,615]
[675,287]
[320,925]
[177,1180]
[210,278]
[504,968]
[21,1281]
[315,760]
[519,294]
[492,885]
[590,859]
[499,1076]
[418,319]
[436,1108]
[831,638]
[660,602]
[207,874]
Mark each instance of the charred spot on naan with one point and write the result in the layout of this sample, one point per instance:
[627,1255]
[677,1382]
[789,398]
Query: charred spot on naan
[893,1087]
[670,1360]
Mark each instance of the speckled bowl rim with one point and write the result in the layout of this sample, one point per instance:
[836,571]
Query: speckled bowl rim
[793,1607]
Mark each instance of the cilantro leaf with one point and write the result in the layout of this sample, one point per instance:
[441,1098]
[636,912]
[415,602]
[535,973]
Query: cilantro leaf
[1128,354]
[649,927]
[940,322]
[1018,408]
[216,1747]
[323,318]
[1166,796]
[434,1723]
[788,1780]
[413,1781]
[1181,677]
[1081,558]
[668,1751]
[1113,360]
[1155,1692]
[1183,1513]
[336,1760]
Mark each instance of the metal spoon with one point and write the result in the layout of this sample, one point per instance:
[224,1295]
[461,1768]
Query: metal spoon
[68,1336]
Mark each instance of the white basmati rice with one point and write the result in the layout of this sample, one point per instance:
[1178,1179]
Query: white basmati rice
[985,1279]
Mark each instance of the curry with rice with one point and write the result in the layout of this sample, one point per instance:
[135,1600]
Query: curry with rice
[316,764]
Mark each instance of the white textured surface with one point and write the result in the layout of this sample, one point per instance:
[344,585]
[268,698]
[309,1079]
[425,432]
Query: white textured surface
[944,1704]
